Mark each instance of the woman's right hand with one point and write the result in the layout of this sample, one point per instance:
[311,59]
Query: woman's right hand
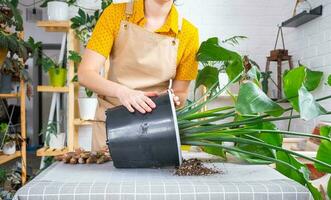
[135,99]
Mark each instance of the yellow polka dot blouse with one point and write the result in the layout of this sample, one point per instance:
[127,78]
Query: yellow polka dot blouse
[108,25]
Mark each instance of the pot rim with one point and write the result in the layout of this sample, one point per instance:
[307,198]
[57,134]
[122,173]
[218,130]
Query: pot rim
[174,114]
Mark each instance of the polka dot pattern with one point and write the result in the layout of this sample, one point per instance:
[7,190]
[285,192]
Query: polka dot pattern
[107,29]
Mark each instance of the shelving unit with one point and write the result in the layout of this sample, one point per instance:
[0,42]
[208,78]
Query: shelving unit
[13,95]
[303,17]
[51,89]
[71,90]
[81,122]
[6,158]
[45,151]
[22,153]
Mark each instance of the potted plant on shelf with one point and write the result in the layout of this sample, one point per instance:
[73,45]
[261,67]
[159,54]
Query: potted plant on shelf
[249,121]
[83,23]
[56,72]
[14,51]
[58,10]
[3,130]
[87,104]
[52,138]
[10,143]
[86,100]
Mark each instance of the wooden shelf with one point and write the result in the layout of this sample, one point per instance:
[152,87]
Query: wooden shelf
[46,151]
[46,88]
[81,122]
[54,26]
[303,17]
[6,158]
[12,95]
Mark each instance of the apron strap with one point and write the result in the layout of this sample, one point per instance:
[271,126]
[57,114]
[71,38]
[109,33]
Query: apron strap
[129,9]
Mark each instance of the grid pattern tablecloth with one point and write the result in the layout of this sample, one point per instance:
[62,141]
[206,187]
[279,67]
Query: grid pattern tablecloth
[104,182]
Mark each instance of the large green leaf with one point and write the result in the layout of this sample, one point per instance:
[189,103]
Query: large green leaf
[254,74]
[313,79]
[217,151]
[234,69]
[252,100]
[208,76]
[210,50]
[285,170]
[314,191]
[325,131]
[329,80]
[309,108]
[323,154]
[293,80]
[270,137]
[249,158]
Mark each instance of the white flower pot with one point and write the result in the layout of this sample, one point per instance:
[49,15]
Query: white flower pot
[89,6]
[57,11]
[57,141]
[85,137]
[87,107]
[9,148]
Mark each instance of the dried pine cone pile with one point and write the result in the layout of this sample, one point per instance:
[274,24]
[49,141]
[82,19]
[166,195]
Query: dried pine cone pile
[194,167]
[84,157]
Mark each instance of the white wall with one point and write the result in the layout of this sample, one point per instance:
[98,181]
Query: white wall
[256,19]
[311,44]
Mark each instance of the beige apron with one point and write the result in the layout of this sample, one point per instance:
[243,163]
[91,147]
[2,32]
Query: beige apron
[140,60]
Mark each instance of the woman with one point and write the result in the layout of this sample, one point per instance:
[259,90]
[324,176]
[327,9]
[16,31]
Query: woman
[148,45]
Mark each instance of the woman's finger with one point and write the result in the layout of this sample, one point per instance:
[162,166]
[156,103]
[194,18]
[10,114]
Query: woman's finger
[142,104]
[137,107]
[129,107]
[149,102]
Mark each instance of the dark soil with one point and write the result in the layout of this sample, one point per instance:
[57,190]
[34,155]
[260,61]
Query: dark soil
[194,167]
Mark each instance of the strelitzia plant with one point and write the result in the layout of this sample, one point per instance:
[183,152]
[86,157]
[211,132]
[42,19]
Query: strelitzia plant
[250,127]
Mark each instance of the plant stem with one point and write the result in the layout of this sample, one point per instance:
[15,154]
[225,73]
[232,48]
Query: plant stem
[200,105]
[247,141]
[237,132]
[193,143]
[203,122]
[289,121]
[239,123]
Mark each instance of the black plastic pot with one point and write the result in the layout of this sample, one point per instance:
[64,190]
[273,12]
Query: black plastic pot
[149,140]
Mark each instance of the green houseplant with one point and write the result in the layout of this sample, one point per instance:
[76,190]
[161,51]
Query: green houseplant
[14,51]
[255,137]
[84,23]
[57,74]
[10,143]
